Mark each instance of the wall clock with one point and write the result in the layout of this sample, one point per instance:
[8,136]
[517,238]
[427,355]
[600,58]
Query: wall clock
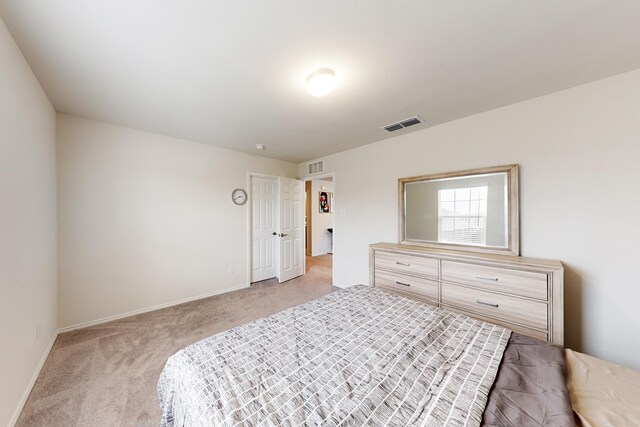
[239,196]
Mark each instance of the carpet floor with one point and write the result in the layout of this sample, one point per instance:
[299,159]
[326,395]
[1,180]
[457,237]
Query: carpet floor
[106,375]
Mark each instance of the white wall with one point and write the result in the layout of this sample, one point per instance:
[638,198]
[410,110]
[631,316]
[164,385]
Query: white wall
[27,225]
[146,219]
[321,238]
[579,152]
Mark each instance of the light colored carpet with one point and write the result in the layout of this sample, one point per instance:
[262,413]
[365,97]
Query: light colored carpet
[106,375]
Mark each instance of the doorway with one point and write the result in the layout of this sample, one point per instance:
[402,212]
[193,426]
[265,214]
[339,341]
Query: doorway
[276,228]
[319,225]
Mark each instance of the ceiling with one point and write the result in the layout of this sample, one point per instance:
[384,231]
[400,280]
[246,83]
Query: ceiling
[231,73]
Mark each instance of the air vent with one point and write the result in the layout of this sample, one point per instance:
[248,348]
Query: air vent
[316,167]
[391,128]
[403,124]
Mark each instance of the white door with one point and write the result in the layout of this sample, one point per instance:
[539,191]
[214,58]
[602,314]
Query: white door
[291,229]
[264,222]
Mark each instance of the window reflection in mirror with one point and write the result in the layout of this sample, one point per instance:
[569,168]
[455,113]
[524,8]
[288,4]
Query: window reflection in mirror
[462,215]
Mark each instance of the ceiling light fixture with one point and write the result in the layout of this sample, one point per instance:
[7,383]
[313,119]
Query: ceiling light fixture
[321,82]
[260,147]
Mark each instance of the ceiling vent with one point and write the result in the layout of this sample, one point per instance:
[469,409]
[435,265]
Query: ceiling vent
[403,124]
[316,167]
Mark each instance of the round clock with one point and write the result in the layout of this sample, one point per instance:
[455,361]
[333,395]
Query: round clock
[239,196]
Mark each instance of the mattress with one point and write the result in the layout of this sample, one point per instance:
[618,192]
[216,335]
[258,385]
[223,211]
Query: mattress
[359,356]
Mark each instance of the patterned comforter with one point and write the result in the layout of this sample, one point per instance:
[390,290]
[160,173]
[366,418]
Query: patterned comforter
[359,356]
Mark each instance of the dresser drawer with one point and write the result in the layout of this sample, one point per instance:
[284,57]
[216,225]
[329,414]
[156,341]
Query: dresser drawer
[497,306]
[541,335]
[524,283]
[410,285]
[407,264]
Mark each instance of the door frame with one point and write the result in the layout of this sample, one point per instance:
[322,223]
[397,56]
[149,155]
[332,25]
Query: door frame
[323,176]
[250,228]
[308,224]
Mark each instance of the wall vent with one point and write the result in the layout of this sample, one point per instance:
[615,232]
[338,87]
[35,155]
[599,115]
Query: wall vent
[403,124]
[316,167]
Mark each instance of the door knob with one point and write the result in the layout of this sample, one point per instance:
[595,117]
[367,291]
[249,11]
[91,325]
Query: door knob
[283,234]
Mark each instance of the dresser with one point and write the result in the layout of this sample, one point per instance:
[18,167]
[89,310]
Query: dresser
[525,295]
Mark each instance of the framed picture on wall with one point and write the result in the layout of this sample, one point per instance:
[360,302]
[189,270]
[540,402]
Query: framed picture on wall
[325,201]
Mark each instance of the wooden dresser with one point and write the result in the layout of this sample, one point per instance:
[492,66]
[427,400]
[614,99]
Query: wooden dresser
[522,294]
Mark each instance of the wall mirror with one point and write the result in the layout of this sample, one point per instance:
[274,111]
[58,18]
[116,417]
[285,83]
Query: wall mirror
[474,210]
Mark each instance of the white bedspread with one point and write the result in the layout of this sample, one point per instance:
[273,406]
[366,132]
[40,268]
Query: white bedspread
[359,356]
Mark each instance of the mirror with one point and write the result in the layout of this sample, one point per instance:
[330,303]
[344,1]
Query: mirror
[475,210]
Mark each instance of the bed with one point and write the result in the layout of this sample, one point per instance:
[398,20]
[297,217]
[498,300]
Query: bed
[602,393]
[363,356]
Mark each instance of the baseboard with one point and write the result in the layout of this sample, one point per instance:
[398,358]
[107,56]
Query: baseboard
[32,382]
[148,309]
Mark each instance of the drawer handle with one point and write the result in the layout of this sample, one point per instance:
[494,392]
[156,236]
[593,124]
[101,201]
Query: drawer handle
[487,303]
[406,264]
[493,279]
[403,284]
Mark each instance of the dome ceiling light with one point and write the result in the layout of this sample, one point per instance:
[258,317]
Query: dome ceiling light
[321,82]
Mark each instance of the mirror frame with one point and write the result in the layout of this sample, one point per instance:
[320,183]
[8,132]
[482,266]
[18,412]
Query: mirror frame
[513,238]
